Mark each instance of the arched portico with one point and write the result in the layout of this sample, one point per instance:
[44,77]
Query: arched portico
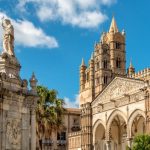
[136,124]
[117,130]
[99,135]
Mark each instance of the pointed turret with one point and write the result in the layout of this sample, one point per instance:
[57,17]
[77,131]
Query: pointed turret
[131,66]
[102,37]
[33,82]
[91,72]
[113,26]
[82,63]
[116,41]
[123,32]
[92,56]
[82,75]
[131,69]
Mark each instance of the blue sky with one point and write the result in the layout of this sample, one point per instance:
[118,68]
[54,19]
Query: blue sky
[52,36]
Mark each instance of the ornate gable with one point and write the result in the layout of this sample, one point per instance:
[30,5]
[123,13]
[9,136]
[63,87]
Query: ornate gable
[118,88]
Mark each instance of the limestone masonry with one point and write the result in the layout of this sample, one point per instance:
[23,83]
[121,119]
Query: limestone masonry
[17,102]
[114,103]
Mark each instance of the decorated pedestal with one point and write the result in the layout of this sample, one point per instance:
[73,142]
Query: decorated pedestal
[17,101]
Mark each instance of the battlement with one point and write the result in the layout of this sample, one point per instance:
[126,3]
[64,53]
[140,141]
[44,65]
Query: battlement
[143,74]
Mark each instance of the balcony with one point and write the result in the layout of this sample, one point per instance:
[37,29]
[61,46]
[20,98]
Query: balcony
[75,128]
[47,142]
[61,142]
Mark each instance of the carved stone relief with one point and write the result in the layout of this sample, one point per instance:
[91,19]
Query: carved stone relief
[13,131]
[118,88]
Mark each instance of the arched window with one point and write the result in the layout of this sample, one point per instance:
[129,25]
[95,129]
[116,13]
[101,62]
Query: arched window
[105,79]
[118,45]
[87,76]
[118,62]
[97,65]
[105,64]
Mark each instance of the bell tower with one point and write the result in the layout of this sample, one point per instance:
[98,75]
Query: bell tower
[102,64]
[116,42]
[107,61]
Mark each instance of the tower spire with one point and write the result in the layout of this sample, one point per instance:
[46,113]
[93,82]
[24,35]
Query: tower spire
[131,66]
[82,63]
[113,26]
[131,69]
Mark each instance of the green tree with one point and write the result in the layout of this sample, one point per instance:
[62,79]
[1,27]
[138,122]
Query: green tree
[141,142]
[128,148]
[49,113]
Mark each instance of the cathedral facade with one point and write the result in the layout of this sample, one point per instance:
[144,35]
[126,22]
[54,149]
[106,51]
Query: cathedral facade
[114,103]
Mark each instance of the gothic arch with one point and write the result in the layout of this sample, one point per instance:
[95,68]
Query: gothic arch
[96,124]
[133,115]
[99,121]
[111,117]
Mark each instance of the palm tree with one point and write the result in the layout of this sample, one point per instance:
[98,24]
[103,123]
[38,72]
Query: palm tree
[49,113]
[141,142]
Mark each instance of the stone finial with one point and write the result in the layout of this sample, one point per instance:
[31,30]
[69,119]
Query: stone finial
[33,81]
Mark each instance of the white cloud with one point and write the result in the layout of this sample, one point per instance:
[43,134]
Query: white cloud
[81,13]
[28,35]
[72,104]
[45,13]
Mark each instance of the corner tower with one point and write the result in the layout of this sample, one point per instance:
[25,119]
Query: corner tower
[109,57]
[107,61]
[116,42]
[86,81]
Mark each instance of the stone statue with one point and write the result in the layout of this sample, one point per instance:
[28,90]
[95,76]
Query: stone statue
[8,37]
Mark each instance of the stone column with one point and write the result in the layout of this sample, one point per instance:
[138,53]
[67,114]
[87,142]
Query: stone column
[33,130]
[86,128]
[147,105]
[129,142]
[108,146]
[147,130]
[25,131]
[128,138]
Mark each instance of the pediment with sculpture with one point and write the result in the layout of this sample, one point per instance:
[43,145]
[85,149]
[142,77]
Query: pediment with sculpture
[118,87]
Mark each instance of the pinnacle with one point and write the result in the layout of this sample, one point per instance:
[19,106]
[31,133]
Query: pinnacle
[113,26]
[131,66]
[92,56]
[33,77]
[82,63]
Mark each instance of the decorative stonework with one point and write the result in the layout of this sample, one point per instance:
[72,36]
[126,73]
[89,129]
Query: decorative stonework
[17,101]
[120,101]
[10,66]
[113,104]
[13,131]
[119,87]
